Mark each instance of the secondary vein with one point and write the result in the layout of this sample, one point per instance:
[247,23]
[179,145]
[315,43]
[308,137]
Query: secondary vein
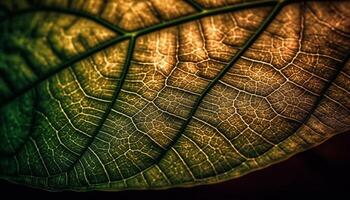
[110,105]
[63,66]
[248,43]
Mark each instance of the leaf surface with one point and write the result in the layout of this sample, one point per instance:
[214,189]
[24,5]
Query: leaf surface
[153,94]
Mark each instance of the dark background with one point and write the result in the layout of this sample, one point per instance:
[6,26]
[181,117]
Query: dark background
[320,172]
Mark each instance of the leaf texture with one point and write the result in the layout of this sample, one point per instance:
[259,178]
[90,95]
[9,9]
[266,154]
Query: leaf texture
[116,95]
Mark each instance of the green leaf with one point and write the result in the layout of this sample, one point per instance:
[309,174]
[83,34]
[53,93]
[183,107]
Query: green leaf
[157,94]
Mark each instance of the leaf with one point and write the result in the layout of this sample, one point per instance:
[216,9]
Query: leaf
[156,94]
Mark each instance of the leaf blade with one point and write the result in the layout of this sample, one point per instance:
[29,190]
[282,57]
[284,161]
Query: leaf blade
[203,150]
